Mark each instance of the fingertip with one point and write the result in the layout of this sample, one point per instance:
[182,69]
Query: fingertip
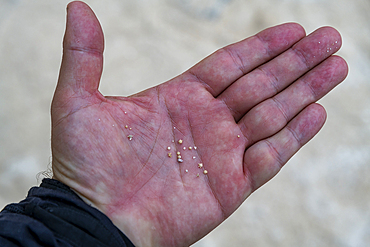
[331,31]
[316,115]
[342,66]
[292,27]
[297,28]
[319,111]
[281,37]
[333,34]
[76,3]
[83,30]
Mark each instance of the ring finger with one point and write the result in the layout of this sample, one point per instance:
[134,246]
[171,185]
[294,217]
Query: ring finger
[273,114]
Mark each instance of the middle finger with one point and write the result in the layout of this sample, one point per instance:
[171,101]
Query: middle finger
[272,77]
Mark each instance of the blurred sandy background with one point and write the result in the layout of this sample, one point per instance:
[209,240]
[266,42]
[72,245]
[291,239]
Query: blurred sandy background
[320,198]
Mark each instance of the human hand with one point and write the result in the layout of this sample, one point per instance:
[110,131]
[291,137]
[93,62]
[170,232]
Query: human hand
[244,111]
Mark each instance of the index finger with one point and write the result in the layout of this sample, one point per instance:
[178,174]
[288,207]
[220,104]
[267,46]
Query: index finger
[226,65]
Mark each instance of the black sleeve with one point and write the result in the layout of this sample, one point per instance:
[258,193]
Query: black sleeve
[53,215]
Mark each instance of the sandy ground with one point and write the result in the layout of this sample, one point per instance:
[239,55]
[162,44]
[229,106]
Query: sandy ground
[320,198]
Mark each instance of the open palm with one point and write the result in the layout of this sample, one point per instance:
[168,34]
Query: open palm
[169,164]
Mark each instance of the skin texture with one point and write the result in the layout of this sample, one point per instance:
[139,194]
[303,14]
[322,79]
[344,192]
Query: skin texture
[247,108]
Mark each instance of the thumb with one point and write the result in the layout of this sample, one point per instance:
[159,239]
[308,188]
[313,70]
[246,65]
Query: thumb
[82,61]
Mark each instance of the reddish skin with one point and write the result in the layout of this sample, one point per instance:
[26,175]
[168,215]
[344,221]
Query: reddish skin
[262,88]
